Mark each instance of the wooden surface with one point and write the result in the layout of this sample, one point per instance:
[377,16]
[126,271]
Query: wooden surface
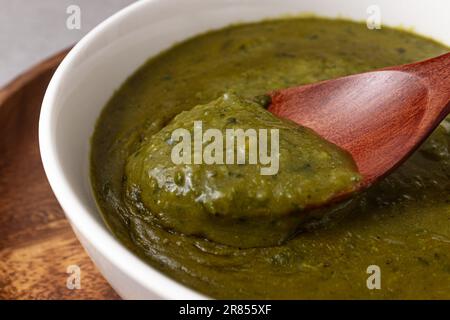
[36,242]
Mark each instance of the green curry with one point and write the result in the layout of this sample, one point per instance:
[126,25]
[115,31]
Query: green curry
[230,232]
[238,204]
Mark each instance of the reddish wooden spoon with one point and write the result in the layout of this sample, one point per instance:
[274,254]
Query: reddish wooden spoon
[380,117]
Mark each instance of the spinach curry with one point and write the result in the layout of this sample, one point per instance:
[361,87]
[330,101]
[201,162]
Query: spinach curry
[236,203]
[229,232]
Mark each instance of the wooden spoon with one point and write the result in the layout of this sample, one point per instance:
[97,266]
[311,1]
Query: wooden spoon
[379,117]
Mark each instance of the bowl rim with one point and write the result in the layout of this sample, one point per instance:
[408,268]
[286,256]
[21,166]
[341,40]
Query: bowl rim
[80,219]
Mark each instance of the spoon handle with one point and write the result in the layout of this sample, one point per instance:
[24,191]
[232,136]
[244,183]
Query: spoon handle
[435,73]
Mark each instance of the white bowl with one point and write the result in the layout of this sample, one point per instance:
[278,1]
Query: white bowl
[103,59]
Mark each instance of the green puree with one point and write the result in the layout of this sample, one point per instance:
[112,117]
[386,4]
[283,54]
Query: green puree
[234,203]
[401,224]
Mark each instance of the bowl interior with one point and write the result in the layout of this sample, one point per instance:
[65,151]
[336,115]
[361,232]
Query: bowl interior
[98,65]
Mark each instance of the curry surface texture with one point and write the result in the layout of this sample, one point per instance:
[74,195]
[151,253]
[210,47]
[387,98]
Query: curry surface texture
[401,224]
[233,202]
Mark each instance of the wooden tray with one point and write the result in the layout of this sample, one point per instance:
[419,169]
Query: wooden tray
[36,242]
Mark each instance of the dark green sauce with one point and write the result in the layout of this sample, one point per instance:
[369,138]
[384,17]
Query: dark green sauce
[402,224]
[239,204]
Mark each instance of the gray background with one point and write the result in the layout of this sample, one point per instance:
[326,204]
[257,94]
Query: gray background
[31,30]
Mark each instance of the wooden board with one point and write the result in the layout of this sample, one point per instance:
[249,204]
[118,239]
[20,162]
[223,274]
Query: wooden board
[36,242]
